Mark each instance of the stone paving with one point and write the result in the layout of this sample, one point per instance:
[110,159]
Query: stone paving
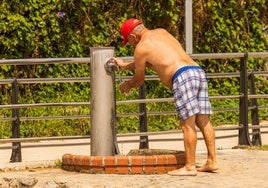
[237,168]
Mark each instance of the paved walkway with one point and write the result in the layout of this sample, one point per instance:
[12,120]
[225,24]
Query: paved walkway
[237,168]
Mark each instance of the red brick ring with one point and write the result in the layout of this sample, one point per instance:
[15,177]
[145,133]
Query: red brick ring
[146,164]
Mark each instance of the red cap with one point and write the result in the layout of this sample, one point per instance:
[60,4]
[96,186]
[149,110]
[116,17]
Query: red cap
[127,27]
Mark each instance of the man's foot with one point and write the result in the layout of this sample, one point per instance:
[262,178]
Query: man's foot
[183,172]
[208,168]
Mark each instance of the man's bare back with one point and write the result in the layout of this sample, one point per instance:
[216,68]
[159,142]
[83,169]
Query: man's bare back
[164,54]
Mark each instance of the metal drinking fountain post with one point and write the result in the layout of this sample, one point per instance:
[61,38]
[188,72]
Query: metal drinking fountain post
[102,103]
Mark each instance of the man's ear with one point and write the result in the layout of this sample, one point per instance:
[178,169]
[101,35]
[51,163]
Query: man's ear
[132,36]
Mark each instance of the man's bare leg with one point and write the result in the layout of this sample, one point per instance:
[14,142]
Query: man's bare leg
[205,126]
[190,140]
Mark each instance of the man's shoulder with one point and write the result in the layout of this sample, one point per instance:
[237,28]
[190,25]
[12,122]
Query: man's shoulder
[159,30]
[142,47]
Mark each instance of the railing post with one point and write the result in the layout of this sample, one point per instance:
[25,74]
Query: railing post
[16,146]
[243,107]
[102,103]
[256,137]
[188,29]
[143,119]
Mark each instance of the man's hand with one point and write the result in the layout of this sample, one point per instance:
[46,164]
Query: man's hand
[124,65]
[119,62]
[125,87]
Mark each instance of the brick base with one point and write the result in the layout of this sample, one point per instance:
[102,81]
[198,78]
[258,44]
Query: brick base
[146,164]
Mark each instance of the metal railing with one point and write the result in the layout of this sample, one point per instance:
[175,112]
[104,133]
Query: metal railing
[244,97]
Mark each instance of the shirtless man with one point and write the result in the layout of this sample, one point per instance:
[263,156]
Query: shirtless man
[160,51]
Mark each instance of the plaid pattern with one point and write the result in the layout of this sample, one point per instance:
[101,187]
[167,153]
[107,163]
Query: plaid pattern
[191,92]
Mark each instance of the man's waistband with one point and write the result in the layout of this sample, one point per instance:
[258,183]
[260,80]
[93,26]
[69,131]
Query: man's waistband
[179,71]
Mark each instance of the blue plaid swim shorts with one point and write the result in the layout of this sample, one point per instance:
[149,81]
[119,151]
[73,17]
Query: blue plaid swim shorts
[190,91]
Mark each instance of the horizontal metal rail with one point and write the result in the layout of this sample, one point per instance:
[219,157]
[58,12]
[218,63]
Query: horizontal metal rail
[119,141]
[37,139]
[40,61]
[87,79]
[228,55]
[55,117]
[16,106]
[34,139]
[134,114]
[205,56]
[255,96]
[209,75]
[171,112]
[22,119]
[202,56]
[46,80]
[138,101]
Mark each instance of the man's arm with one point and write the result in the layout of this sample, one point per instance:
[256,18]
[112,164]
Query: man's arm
[138,78]
[140,64]
[124,65]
